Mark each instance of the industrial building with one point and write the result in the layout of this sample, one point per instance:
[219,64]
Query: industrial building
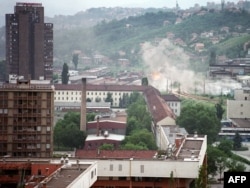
[177,167]
[29,43]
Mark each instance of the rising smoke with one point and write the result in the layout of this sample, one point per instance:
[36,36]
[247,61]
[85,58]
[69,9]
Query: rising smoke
[167,64]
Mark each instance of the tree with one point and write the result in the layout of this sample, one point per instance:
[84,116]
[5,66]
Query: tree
[98,99]
[109,98]
[234,166]
[214,157]
[75,59]
[201,118]
[212,57]
[144,81]
[237,141]
[226,146]
[67,132]
[65,74]
[142,138]
[90,117]
[138,111]
[219,109]
[201,181]
[124,101]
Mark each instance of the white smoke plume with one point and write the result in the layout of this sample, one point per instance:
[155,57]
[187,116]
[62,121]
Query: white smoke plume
[166,64]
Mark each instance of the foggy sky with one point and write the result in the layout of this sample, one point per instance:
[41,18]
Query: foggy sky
[70,7]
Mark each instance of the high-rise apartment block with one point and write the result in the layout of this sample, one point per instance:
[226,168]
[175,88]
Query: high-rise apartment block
[29,43]
[26,119]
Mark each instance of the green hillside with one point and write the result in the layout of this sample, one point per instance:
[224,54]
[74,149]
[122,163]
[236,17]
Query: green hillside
[125,35]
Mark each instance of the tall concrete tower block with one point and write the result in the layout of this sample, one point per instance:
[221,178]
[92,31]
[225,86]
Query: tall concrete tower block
[29,43]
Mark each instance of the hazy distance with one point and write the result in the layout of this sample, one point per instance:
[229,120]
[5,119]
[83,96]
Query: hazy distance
[67,7]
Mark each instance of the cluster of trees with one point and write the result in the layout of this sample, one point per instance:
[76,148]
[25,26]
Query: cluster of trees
[221,158]
[200,118]
[67,133]
[205,119]
[138,131]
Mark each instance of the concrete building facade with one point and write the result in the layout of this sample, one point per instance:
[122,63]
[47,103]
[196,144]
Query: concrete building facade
[26,120]
[29,43]
[238,115]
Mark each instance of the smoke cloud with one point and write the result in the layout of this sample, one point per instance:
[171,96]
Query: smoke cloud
[167,64]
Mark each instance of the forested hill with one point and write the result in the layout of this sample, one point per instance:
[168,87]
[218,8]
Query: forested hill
[214,29]
[225,31]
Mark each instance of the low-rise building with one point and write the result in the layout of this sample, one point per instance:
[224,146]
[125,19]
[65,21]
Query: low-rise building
[173,102]
[238,115]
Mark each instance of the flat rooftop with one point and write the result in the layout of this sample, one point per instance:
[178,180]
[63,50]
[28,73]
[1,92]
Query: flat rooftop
[66,175]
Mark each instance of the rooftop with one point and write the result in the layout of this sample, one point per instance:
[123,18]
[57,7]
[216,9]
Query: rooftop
[115,137]
[241,122]
[170,97]
[115,154]
[65,176]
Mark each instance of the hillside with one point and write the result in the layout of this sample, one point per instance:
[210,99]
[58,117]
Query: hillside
[224,31]
[214,29]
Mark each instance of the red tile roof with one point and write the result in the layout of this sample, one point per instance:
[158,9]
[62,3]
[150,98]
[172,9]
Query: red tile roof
[157,106]
[170,97]
[115,154]
[78,87]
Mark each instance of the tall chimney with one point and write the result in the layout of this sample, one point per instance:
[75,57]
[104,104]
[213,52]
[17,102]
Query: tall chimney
[83,106]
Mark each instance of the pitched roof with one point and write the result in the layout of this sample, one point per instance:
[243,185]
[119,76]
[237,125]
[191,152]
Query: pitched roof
[78,87]
[170,97]
[115,154]
[157,106]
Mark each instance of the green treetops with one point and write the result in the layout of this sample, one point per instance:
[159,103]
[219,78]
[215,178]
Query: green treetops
[201,118]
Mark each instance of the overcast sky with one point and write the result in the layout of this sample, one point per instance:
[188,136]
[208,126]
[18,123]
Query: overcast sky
[70,7]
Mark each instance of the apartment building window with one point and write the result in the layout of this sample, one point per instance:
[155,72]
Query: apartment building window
[142,168]
[47,146]
[111,167]
[120,167]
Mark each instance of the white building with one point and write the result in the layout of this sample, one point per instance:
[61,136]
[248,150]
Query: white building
[173,102]
[238,115]
[72,93]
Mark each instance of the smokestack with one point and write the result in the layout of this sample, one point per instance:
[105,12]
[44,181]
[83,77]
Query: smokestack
[83,106]
[98,126]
